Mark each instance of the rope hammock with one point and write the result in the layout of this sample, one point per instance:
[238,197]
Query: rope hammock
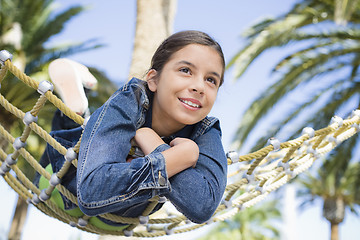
[259,173]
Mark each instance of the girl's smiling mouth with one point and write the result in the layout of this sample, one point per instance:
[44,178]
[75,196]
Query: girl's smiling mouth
[190,102]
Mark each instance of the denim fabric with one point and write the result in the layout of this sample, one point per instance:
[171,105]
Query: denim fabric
[62,122]
[105,182]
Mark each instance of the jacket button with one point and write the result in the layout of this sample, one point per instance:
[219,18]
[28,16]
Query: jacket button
[162,180]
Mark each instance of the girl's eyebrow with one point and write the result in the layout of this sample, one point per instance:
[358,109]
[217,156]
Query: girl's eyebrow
[187,63]
[193,65]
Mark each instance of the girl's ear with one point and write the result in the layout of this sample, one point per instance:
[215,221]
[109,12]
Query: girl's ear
[151,79]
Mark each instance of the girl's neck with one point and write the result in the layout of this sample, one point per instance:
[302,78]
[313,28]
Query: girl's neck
[162,127]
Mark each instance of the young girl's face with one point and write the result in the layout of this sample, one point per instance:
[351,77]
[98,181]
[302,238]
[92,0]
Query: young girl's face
[187,87]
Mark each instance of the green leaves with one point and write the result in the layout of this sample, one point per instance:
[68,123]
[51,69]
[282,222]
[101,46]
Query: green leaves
[38,21]
[319,52]
[320,71]
[256,222]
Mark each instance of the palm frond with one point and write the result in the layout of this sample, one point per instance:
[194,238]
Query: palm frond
[48,28]
[307,68]
[278,37]
[38,60]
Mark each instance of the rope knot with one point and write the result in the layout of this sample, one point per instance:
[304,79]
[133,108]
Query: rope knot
[4,56]
[275,143]
[18,143]
[29,118]
[233,156]
[45,86]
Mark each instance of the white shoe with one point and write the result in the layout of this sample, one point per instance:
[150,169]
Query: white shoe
[87,79]
[68,78]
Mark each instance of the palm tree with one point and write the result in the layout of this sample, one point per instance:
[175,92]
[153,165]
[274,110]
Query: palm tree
[25,27]
[326,50]
[255,223]
[336,184]
[154,23]
[321,71]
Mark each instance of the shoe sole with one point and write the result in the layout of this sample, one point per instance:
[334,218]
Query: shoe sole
[87,79]
[68,84]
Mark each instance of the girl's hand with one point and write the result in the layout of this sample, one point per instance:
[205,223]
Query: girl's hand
[147,139]
[189,147]
[183,153]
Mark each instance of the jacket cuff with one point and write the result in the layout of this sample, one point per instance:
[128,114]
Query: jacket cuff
[158,164]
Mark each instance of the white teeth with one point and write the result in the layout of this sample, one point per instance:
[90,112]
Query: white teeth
[190,103]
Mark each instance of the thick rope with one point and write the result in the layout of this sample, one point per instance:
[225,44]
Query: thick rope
[258,174]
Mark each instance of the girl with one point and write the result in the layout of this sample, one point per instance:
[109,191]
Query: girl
[179,151]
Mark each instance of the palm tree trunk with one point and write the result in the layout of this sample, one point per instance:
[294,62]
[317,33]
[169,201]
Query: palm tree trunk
[21,208]
[334,212]
[154,23]
[334,231]
[14,36]
[18,219]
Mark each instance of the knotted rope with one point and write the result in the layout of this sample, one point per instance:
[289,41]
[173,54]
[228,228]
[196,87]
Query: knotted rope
[258,173]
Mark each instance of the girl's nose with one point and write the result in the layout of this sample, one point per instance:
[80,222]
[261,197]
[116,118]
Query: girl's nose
[198,86]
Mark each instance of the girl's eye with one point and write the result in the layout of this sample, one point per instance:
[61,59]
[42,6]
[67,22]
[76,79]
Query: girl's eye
[211,80]
[185,70]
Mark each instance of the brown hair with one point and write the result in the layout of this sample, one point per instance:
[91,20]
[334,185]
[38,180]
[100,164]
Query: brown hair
[180,40]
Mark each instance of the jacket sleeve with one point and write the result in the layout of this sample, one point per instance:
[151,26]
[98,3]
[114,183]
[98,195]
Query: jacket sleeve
[197,192]
[105,181]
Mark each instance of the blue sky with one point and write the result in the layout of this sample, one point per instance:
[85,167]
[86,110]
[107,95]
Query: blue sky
[113,23]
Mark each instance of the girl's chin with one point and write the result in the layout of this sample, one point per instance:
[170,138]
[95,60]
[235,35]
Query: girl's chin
[190,121]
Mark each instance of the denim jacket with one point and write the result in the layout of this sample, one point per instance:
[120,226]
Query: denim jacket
[105,182]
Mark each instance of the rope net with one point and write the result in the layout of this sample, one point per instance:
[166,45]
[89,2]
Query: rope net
[258,173]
